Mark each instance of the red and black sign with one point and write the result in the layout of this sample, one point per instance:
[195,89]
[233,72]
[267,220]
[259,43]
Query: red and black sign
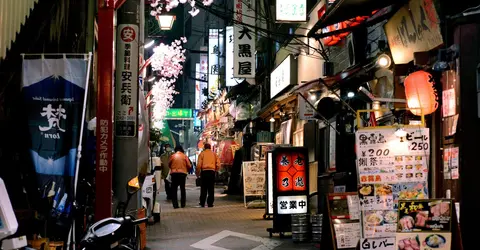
[291,172]
[289,181]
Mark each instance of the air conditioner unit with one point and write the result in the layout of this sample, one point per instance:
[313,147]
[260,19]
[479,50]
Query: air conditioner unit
[356,43]
[350,43]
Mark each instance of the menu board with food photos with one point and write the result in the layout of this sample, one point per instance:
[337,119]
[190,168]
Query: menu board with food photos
[390,168]
[383,157]
[344,215]
[254,178]
[424,241]
[424,215]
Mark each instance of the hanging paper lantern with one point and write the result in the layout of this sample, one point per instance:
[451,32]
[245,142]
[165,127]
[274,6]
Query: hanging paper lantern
[420,93]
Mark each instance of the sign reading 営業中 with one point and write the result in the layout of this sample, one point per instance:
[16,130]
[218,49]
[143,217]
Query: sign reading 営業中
[292,204]
[244,34]
[291,11]
[415,27]
[126,81]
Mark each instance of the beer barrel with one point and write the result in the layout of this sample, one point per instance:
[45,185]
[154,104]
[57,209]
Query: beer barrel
[316,221]
[300,227]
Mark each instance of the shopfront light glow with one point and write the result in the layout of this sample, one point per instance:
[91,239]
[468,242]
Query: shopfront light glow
[149,44]
[420,93]
[400,132]
[384,61]
[350,94]
[151,79]
[165,21]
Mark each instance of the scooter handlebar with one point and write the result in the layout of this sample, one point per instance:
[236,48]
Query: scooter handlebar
[140,221]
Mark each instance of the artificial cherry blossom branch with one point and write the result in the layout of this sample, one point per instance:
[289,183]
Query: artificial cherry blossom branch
[167,61]
[162,6]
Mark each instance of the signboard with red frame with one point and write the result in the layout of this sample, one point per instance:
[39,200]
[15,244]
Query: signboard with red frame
[289,174]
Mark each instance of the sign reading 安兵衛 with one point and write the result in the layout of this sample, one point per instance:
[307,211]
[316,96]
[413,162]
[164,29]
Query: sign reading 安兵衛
[283,76]
[179,114]
[126,85]
[291,11]
[244,43]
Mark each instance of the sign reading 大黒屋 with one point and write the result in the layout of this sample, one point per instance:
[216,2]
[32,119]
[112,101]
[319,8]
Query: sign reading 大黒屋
[244,42]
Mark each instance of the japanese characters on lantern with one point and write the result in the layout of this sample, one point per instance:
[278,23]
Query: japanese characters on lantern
[422,98]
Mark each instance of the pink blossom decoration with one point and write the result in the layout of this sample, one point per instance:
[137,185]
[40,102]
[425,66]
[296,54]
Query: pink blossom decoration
[167,60]
[171,4]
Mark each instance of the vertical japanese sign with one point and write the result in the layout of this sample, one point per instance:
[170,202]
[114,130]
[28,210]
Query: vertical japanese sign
[53,93]
[198,90]
[390,168]
[229,58]
[203,76]
[214,53]
[244,33]
[126,85]
[290,185]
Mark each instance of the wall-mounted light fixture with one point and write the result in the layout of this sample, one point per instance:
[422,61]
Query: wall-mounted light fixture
[166,21]
[384,61]
[400,132]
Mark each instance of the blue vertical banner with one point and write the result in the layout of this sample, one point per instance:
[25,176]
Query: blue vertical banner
[53,93]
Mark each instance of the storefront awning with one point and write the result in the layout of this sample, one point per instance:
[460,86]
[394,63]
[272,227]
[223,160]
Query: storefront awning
[342,10]
[275,104]
[242,88]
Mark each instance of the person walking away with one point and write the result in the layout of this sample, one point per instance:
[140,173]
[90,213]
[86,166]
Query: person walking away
[208,165]
[164,158]
[179,166]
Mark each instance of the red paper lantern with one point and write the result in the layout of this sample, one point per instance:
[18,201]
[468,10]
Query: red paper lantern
[420,93]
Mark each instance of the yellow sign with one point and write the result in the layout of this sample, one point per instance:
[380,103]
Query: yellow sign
[414,28]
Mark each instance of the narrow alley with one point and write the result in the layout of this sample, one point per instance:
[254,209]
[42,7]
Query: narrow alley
[226,226]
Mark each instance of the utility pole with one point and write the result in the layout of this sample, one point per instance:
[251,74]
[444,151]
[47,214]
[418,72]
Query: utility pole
[104,157]
[126,98]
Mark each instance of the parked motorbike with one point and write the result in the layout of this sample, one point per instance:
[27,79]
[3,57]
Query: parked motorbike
[149,202]
[121,232]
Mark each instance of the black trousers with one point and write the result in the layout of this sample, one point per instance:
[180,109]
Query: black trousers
[168,189]
[208,186]
[178,179]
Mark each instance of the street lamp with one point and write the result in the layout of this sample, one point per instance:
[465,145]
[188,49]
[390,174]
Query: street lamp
[166,21]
